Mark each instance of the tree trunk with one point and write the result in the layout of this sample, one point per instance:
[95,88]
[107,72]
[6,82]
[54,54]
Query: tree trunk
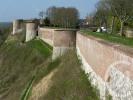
[121,30]
[112,25]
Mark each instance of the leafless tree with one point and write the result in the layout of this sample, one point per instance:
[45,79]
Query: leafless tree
[63,17]
[122,9]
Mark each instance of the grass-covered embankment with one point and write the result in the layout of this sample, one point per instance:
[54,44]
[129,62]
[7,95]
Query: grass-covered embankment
[19,62]
[111,37]
[27,73]
[69,82]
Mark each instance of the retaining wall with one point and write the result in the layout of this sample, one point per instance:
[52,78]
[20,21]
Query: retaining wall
[109,65]
[46,34]
[61,39]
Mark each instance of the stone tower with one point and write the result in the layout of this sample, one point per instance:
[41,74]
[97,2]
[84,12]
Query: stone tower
[31,29]
[17,26]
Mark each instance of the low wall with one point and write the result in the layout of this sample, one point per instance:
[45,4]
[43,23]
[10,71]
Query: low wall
[110,66]
[31,31]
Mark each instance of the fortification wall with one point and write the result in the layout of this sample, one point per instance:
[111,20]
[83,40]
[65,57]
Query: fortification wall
[110,66]
[17,26]
[62,40]
[46,34]
[31,31]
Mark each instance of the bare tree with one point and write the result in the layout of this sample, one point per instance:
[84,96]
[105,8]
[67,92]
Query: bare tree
[101,14]
[63,17]
[122,9]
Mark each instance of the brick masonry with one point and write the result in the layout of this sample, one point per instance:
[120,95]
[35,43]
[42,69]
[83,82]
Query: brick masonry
[30,31]
[110,65]
[62,40]
[17,26]
[46,34]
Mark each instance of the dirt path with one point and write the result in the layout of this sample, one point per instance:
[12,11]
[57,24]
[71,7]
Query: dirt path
[42,87]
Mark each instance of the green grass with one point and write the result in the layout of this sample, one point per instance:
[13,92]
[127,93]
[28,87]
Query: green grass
[23,65]
[19,62]
[27,90]
[111,38]
[70,82]
[42,47]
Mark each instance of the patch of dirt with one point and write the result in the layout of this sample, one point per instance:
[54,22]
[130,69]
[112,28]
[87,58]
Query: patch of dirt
[42,87]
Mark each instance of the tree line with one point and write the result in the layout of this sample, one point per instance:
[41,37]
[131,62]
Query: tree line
[60,17]
[114,14]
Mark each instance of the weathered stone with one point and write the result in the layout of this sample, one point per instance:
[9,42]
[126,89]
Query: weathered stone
[17,26]
[31,31]
[110,65]
[62,40]
[46,34]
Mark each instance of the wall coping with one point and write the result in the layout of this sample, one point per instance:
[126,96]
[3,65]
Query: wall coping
[58,29]
[119,47]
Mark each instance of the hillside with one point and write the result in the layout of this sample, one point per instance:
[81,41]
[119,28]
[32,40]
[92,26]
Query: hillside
[27,73]
[18,64]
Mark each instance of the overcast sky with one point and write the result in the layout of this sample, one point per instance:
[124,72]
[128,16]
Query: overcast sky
[16,9]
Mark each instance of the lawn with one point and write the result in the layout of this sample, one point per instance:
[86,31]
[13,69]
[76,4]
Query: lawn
[114,38]
[41,46]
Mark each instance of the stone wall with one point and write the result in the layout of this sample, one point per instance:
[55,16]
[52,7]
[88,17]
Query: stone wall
[110,66]
[46,34]
[17,26]
[31,31]
[62,40]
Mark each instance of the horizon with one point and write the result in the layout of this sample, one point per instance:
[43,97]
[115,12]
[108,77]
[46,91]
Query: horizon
[19,9]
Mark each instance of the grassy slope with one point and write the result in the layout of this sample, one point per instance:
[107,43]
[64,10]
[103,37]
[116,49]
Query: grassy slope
[111,38]
[70,82]
[18,64]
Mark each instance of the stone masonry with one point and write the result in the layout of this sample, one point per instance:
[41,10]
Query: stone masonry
[110,66]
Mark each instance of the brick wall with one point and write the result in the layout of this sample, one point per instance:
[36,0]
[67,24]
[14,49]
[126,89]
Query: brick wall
[46,34]
[100,58]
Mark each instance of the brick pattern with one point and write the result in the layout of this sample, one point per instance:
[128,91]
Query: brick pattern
[102,57]
[64,38]
[46,35]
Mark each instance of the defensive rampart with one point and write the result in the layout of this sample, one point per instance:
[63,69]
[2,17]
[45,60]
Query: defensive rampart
[110,66]
[61,39]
